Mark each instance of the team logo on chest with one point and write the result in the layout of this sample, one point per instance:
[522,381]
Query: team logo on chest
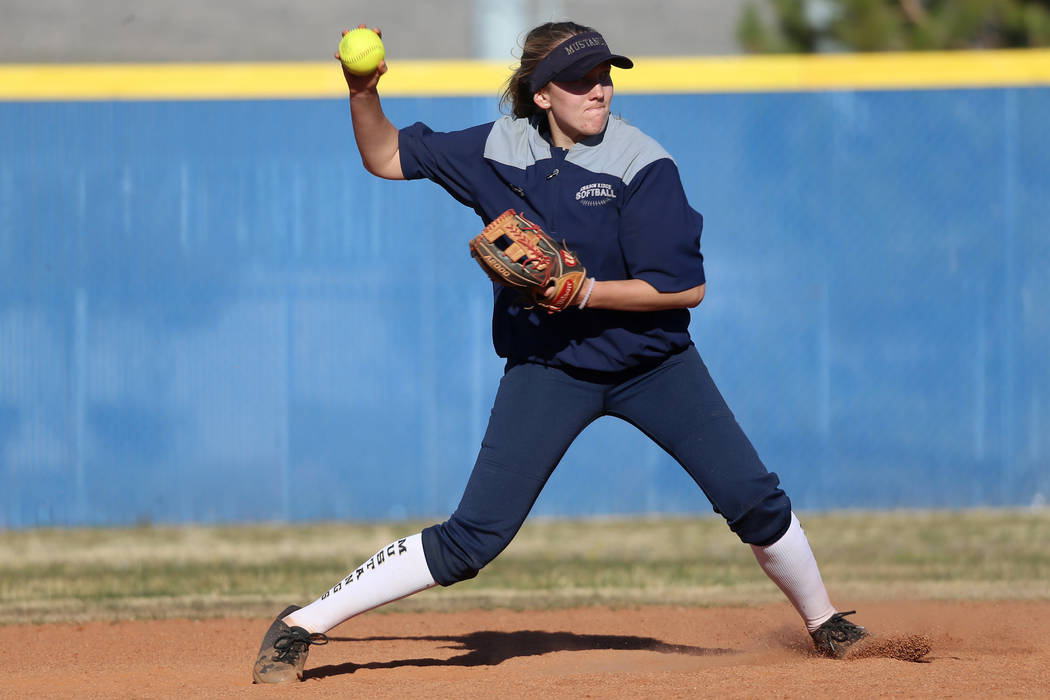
[595,194]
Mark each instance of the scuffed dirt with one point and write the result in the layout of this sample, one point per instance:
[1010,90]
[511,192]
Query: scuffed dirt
[910,647]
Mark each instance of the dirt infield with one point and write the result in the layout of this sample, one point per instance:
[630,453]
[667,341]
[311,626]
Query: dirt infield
[979,649]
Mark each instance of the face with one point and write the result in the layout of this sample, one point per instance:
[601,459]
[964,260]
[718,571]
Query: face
[577,109]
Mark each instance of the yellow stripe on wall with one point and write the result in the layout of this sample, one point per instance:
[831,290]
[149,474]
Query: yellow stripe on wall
[203,81]
[886,71]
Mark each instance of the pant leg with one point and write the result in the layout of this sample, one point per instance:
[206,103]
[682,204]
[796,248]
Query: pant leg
[678,405]
[537,413]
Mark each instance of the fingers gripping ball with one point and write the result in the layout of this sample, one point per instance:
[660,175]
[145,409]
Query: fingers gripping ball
[515,252]
[361,51]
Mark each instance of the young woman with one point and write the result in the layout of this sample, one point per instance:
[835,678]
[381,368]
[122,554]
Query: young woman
[616,198]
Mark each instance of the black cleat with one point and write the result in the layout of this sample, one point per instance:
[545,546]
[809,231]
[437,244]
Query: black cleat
[282,655]
[834,638]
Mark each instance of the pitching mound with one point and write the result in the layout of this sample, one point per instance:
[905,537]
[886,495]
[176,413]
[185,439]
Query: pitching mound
[963,650]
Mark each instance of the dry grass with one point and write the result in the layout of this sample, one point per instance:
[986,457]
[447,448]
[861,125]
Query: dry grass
[64,575]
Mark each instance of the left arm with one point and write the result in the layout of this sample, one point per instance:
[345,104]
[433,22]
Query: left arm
[659,235]
[639,295]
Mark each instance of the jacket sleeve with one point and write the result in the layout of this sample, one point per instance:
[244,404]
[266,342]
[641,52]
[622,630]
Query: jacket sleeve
[454,160]
[660,231]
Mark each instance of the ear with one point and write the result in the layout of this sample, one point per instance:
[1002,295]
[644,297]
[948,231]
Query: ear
[542,99]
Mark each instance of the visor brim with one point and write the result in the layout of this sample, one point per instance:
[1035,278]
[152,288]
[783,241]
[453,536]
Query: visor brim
[581,68]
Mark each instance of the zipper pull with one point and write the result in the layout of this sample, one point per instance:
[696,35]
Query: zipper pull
[553,174]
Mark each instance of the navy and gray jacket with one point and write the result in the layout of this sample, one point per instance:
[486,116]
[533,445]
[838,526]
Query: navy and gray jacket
[617,201]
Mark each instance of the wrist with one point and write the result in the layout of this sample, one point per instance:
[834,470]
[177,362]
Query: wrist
[587,294]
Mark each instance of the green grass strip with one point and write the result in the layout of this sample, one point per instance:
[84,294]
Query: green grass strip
[159,572]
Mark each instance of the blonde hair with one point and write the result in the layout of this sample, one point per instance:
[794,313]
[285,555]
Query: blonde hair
[539,42]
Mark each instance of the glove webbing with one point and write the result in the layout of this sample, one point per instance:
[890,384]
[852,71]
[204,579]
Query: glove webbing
[516,238]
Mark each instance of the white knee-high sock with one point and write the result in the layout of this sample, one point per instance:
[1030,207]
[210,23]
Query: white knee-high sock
[396,571]
[789,562]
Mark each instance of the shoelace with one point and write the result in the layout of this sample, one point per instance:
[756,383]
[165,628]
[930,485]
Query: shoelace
[290,644]
[838,633]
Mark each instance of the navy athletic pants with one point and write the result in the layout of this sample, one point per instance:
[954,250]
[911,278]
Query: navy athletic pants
[540,410]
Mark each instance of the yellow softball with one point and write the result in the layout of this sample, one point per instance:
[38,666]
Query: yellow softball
[361,50]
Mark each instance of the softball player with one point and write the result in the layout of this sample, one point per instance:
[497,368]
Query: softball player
[615,197]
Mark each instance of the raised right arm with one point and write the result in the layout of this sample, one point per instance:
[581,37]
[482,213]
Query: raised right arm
[376,136]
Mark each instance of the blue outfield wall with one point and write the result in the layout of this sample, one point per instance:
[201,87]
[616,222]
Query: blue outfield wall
[209,312]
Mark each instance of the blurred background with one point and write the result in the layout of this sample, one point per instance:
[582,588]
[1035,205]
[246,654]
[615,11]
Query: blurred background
[210,313]
[268,30]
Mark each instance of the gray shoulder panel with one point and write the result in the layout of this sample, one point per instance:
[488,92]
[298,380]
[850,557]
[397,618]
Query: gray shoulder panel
[514,142]
[624,151]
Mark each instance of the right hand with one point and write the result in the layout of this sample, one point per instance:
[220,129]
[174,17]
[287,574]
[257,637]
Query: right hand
[362,83]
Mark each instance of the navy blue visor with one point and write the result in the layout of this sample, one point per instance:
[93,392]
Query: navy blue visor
[573,59]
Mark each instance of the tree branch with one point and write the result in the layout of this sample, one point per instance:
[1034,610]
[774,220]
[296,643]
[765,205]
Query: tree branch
[914,11]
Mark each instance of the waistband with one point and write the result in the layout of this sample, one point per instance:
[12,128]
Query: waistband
[595,376]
